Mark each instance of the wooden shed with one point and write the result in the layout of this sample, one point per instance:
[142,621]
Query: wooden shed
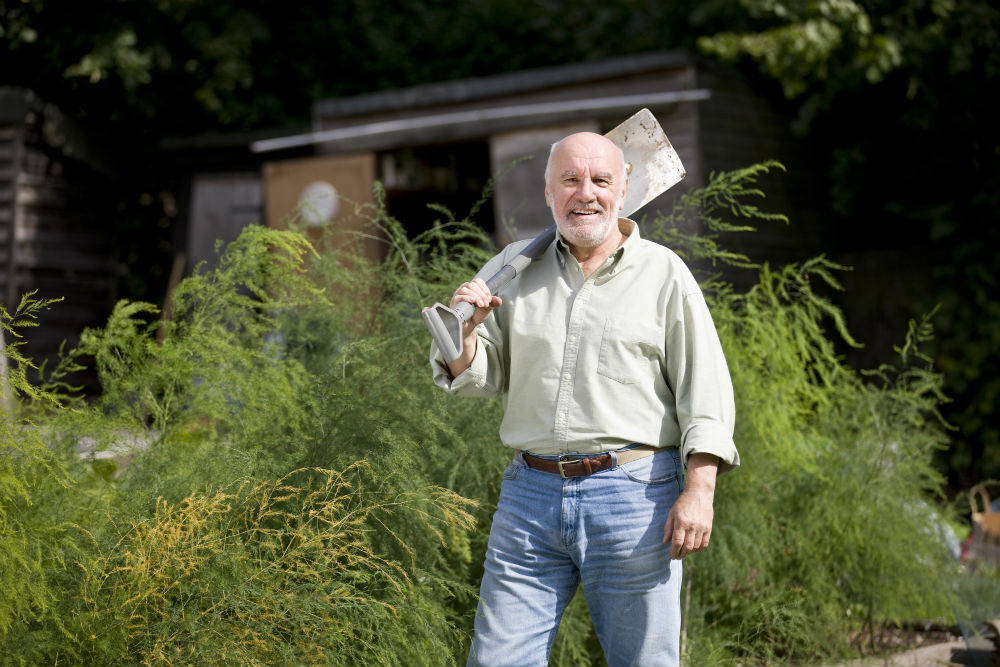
[442,142]
[439,143]
[54,221]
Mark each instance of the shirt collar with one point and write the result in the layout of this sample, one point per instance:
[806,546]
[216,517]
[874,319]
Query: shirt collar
[615,261]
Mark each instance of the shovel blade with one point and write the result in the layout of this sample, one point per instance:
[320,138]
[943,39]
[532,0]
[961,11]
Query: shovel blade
[656,167]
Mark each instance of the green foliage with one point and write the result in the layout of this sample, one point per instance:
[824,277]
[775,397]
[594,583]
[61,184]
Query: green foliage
[14,365]
[833,531]
[268,573]
[818,50]
[806,44]
[830,529]
[723,205]
[188,392]
[269,476]
[27,467]
[180,543]
[369,351]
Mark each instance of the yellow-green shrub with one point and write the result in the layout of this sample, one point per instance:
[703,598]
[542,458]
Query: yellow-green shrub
[269,573]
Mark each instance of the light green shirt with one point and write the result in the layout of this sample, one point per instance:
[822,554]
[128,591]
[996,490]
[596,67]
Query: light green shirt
[629,355]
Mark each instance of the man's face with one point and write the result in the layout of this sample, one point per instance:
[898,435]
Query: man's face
[585,188]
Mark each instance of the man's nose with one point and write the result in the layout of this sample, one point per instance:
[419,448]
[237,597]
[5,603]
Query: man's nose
[585,190]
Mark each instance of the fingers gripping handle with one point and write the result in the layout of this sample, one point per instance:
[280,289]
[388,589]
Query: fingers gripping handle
[445,324]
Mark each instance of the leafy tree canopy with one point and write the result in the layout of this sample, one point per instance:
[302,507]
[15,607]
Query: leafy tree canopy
[187,66]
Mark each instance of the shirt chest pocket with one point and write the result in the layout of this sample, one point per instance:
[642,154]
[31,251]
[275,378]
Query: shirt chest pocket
[630,354]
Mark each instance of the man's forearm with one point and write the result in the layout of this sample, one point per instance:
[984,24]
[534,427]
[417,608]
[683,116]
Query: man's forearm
[460,365]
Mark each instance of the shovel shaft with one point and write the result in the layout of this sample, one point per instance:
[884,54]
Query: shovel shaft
[509,270]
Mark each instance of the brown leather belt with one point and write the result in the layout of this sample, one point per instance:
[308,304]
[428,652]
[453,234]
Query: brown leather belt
[587,465]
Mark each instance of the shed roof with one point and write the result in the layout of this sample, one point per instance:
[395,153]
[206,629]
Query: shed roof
[479,107]
[500,85]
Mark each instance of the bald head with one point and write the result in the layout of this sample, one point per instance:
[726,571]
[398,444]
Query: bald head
[586,144]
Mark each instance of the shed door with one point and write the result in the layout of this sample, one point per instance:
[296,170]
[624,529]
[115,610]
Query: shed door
[322,195]
[221,206]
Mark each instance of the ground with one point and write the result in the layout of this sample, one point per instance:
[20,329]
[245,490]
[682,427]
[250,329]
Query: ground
[934,648]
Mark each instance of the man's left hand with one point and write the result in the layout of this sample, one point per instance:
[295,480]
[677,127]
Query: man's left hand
[689,524]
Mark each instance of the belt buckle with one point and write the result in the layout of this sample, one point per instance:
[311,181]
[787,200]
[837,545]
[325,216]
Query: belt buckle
[560,463]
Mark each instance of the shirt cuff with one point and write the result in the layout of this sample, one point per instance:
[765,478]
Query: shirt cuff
[710,438]
[472,379]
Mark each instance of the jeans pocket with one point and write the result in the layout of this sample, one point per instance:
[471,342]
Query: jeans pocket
[510,472]
[660,468]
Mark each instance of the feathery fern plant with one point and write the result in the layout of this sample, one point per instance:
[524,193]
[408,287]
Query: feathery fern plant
[270,477]
[28,538]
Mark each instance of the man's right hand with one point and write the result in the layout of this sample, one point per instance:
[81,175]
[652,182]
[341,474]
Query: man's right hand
[476,293]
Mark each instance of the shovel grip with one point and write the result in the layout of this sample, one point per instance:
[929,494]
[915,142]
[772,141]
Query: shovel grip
[463,311]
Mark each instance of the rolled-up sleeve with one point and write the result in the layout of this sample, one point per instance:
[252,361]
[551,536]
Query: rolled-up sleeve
[706,410]
[484,378]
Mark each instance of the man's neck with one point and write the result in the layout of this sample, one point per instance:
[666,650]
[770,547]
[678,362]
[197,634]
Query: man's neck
[592,258]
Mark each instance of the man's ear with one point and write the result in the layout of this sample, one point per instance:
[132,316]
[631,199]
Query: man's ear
[621,202]
[548,196]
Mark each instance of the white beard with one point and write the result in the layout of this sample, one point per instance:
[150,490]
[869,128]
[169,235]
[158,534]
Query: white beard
[589,235]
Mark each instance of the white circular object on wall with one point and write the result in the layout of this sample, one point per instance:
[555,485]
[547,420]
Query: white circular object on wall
[318,203]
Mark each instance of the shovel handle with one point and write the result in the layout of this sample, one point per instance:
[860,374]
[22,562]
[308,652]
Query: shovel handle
[517,263]
[445,324]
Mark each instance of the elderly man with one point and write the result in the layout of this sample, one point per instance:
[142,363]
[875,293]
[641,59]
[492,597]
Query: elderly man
[613,382]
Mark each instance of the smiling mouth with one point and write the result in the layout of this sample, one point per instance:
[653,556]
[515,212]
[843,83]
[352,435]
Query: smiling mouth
[584,211]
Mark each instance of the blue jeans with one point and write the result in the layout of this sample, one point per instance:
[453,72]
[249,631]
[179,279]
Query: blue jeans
[604,530]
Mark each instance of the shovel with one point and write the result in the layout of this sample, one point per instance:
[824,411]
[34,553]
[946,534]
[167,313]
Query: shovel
[653,167]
